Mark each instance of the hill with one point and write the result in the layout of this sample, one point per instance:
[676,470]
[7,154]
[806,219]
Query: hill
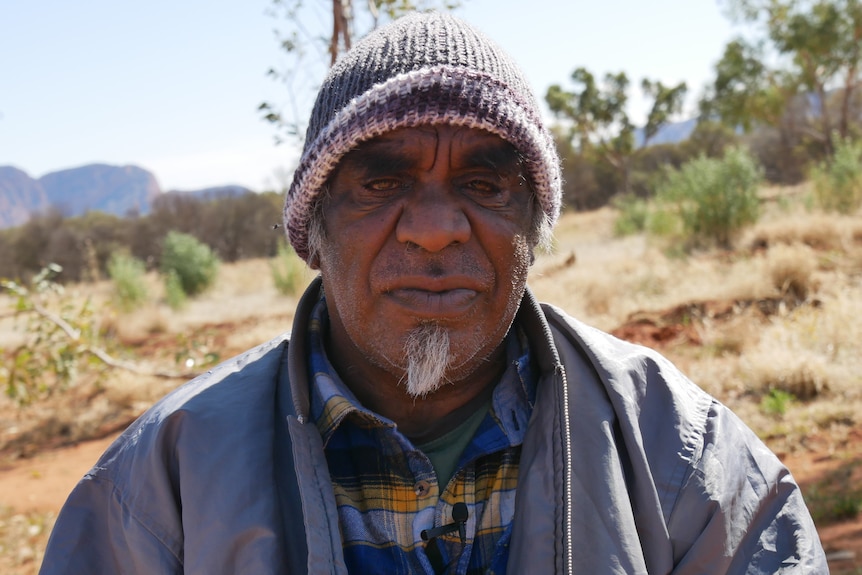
[20,195]
[117,190]
[670,133]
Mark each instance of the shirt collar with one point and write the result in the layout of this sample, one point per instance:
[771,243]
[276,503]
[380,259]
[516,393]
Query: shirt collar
[332,401]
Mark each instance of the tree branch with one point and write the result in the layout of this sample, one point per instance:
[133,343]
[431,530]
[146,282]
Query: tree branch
[102,355]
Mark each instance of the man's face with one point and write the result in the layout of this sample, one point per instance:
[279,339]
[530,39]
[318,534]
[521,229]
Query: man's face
[426,226]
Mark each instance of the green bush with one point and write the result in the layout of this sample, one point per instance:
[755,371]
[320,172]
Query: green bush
[777,402]
[192,262]
[174,293]
[288,271]
[835,497]
[713,198]
[633,215]
[838,184]
[61,339]
[127,274]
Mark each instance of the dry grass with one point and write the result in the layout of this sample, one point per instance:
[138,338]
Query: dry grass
[791,270]
[800,258]
[807,342]
[820,231]
[793,289]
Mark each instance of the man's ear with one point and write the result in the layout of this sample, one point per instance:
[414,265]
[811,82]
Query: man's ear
[314,262]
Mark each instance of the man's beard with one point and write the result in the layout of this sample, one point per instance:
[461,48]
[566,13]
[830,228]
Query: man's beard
[428,359]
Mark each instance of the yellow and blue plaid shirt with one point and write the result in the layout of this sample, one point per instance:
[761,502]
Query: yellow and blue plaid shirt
[386,488]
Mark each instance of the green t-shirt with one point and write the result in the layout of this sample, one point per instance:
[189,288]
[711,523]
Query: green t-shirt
[445,451]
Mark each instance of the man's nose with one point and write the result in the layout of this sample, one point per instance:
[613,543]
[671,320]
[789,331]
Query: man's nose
[432,219]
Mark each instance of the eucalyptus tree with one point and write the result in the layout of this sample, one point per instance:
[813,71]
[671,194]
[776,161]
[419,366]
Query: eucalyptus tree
[597,118]
[801,50]
[312,34]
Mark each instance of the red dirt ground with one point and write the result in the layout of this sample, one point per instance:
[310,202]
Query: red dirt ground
[41,482]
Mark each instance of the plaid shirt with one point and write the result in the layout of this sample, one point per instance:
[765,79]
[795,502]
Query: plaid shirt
[387,491]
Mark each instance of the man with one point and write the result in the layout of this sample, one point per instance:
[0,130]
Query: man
[427,414]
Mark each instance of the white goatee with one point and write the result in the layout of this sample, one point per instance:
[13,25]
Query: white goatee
[427,352]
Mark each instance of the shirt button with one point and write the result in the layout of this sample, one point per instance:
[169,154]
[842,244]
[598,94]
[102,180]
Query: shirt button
[422,488]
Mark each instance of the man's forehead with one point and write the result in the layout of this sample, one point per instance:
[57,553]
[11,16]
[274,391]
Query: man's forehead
[470,144]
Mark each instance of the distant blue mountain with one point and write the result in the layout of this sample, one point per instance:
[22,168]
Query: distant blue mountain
[20,195]
[118,190]
[671,133]
[115,190]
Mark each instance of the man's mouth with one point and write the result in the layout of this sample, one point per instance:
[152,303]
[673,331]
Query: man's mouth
[432,303]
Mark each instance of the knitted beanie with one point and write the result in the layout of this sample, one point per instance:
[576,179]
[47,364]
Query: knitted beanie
[422,69]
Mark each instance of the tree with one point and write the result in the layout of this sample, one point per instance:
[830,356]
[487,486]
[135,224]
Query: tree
[598,120]
[816,46]
[311,46]
[745,91]
[667,101]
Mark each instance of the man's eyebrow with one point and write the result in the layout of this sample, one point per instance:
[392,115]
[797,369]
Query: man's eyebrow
[374,158]
[500,157]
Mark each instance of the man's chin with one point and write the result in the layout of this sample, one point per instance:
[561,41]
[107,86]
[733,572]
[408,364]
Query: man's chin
[428,359]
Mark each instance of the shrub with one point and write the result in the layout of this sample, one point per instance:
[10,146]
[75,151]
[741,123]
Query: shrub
[776,402]
[838,184]
[127,274]
[191,263]
[633,214]
[288,270]
[174,293]
[836,497]
[714,198]
[60,344]
[791,269]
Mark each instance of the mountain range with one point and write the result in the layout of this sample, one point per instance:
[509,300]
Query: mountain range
[118,190]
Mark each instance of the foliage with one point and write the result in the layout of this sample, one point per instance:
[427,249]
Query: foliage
[235,228]
[745,91]
[192,353]
[242,226]
[633,215]
[776,402]
[838,183]
[836,497]
[191,262]
[127,274]
[667,101]
[596,112]
[58,343]
[805,52]
[288,271]
[713,198]
[313,36]
[597,120]
[174,293]
[710,139]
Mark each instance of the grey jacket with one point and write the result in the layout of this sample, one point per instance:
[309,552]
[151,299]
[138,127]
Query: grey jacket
[626,468]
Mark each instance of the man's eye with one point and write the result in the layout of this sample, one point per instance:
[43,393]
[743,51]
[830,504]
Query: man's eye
[483,187]
[383,185]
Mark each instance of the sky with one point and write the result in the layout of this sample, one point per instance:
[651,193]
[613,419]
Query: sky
[174,86]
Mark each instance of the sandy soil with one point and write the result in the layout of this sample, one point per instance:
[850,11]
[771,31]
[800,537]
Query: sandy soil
[38,480]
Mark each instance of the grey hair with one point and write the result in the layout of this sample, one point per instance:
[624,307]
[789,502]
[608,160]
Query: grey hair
[316,229]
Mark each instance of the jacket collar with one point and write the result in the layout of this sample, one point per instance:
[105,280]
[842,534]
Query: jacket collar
[530,317]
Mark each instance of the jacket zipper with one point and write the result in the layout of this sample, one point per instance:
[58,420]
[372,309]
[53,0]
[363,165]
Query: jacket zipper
[567,479]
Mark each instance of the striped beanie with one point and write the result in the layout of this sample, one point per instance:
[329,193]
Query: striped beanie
[424,68]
